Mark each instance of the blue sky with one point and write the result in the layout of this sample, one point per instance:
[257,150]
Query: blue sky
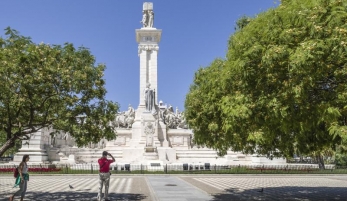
[194,33]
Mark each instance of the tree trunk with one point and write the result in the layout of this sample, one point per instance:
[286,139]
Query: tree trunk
[8,144]
[320,162]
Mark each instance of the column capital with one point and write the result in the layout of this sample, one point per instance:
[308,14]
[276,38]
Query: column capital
[146,47]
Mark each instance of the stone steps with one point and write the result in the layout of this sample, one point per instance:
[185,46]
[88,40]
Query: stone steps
[151,155]
[181,154]
[91,155]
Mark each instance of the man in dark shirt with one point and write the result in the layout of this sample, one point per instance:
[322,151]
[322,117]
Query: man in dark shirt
[104,175]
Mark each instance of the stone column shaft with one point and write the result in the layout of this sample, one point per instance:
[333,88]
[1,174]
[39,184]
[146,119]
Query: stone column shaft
[153,73]
[143,76]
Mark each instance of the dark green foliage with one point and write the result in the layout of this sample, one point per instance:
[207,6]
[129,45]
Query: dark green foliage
[50,85]
[283,87]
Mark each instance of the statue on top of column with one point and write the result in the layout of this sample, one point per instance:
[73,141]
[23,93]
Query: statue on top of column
[147,15]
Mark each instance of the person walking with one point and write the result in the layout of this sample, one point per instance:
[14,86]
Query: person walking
[104,175]
[22,179]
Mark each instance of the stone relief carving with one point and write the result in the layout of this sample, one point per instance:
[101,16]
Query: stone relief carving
[149,131]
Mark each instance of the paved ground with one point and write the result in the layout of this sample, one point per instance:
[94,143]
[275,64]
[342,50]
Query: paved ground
[184,187]
[284,187]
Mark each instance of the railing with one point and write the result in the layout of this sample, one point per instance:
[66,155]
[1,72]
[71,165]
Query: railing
[307,161]
[5,159]
[157,168]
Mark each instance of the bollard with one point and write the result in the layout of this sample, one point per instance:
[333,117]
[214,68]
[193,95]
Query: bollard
[91,168]
[262,168]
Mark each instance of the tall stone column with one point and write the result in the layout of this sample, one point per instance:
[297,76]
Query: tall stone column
[148,39]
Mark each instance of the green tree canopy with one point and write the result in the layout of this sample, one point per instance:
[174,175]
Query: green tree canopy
[51,86]
[282,88]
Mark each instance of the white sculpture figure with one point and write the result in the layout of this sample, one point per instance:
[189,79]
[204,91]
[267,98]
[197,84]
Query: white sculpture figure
[150,18]
[53,139]
[130,116]
[144,19]
[130,112]
[125,119]
[149,98]
[102,143]
[182,121]
[66,136]
[170,117]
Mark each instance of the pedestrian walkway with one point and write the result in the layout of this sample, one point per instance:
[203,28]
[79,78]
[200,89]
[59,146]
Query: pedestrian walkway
[171,188]
[183,187]
[47,188]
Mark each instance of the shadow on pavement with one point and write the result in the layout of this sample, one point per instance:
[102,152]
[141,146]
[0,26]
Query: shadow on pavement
[285,193]
[77,196]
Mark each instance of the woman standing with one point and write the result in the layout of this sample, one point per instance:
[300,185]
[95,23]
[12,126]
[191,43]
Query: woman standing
[22,178]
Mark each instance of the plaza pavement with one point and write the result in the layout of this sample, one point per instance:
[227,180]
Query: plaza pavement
[184,187]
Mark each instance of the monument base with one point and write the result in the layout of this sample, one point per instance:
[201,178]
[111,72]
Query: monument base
[166,154]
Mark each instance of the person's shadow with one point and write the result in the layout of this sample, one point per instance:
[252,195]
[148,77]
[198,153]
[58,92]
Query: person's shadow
[81,195]
[284,193]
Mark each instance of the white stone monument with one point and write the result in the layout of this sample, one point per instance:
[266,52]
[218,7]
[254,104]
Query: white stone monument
[153,133]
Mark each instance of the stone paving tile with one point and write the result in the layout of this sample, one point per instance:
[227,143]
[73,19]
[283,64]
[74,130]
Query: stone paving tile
[275,187]
[184,187]
[47,188]
[171,188]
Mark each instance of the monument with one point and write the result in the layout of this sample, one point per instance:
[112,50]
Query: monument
[153,133]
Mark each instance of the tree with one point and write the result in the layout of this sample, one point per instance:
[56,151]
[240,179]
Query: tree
[282,89]
[11,151]
[51,86]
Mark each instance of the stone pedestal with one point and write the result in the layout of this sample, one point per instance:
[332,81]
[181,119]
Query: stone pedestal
[162,135]
[263,160]
[132,154]
[35,148]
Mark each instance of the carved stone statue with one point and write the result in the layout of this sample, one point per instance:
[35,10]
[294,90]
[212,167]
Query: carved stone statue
[147,15]
[53,139]
[124,120]
[66,136]
[130,112]
[149,98]
[150,18]
[144,18]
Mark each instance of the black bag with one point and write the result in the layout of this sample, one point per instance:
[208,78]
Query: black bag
[15,172]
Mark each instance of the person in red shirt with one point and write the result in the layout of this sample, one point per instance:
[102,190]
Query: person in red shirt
[104,175]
